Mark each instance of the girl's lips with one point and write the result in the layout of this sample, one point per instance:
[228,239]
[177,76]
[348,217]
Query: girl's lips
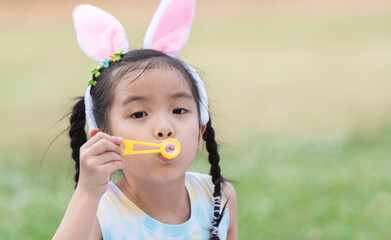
[164,159]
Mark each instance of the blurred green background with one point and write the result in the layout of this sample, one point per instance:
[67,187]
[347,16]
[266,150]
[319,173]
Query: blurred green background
[300,97]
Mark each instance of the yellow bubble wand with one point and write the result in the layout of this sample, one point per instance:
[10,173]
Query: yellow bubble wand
[169,148]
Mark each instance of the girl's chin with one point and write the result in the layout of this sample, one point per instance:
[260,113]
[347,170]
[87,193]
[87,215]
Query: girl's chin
[163,170]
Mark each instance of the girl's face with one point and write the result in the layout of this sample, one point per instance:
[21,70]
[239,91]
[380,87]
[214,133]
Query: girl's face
[156,106]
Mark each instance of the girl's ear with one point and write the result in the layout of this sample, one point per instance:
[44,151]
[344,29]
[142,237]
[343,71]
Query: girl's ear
[202,130]
[98,33]
[170,27]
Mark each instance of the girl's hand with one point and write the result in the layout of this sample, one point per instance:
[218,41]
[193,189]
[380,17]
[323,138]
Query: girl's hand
[99,157]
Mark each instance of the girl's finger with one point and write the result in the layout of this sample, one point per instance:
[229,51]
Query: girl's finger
[102,135]
[105,158]
[102,146]
[113,166]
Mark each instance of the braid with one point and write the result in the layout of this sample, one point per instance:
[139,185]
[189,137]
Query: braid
[217,179]
[76,132]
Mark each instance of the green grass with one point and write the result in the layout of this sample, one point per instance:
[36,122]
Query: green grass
[300,103]
[318,189]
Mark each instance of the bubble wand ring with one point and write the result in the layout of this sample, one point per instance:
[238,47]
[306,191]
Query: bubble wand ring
[169,148]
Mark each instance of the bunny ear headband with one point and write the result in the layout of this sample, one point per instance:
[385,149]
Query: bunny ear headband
[100,35]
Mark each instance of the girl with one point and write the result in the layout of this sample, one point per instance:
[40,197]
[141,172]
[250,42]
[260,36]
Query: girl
[146,95]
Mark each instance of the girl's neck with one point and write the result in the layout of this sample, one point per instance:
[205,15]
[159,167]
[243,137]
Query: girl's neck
[166,202]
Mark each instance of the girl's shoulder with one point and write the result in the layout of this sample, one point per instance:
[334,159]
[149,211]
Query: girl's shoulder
[204,182]
[200,183]
[199,178]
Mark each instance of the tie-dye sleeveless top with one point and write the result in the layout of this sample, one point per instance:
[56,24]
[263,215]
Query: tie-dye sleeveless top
[119,218]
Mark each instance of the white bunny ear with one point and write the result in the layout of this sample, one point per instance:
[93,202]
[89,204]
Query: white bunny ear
[170,26]
[98,33]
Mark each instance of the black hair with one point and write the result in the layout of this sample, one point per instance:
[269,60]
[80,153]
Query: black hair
[102,95]
[215,172]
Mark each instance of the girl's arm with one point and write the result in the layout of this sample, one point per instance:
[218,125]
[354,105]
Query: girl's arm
[99,157]
[230,194]
[78,221]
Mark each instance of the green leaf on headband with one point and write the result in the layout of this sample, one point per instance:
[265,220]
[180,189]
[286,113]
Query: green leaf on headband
[95,70]
[118,52]
[92,82]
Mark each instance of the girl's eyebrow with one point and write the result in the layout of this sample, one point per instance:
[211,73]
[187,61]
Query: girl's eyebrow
[132,99]
[181,95]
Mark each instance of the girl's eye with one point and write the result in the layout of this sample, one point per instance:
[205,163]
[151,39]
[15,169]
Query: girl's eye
[138,115]
[179,111]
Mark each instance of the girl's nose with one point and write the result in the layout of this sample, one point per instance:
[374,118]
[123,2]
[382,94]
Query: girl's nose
[164,132]
[164,135]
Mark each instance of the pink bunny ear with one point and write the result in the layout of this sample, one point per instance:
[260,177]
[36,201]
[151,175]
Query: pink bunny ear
[170,26]
[98,33]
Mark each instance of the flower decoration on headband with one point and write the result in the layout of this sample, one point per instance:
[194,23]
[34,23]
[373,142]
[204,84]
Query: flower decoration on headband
[106,63]
[117,55]
[114,58]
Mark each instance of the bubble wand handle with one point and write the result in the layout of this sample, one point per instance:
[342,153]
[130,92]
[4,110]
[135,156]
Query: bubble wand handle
[129,147]
[169,148]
